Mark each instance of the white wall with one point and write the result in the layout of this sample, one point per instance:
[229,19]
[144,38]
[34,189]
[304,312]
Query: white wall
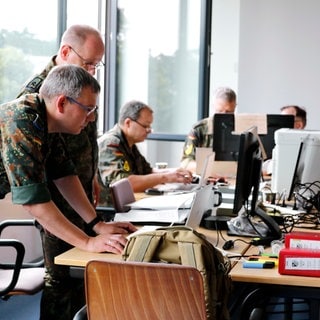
[269,53]
[279,52]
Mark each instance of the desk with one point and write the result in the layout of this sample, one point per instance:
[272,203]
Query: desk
[270,276]
[268,283]
[79,258]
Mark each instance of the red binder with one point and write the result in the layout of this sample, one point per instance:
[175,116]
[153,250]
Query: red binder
[299,262]
[303,240]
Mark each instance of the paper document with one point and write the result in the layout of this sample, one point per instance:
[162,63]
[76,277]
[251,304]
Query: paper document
[165,202]
[160,216]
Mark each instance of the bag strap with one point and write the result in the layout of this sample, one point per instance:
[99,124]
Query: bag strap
[187,255]
[144,247]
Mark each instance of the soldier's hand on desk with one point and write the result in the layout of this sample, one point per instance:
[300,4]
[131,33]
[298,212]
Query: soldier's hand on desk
[107,243]
[115,227]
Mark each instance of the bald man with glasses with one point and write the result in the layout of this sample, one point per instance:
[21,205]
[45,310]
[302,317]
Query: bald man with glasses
[81,45]
[119,157]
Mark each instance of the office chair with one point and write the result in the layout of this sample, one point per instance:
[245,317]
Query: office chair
[122,194]
[142,291]
[19,277]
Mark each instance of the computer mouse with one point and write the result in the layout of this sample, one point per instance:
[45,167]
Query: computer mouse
[228,245]
[195,179]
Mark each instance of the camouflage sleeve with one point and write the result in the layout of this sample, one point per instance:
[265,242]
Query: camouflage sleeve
[189,148]
[201,135]
[22,157]
[32,86]
[112,163]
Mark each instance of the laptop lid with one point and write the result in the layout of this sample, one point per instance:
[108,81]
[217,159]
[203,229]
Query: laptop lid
[190,217]
[202,202]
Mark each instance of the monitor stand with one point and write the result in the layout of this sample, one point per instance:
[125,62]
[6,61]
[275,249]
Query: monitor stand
[216,222]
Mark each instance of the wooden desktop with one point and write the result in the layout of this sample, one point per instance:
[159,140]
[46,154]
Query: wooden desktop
[79,258]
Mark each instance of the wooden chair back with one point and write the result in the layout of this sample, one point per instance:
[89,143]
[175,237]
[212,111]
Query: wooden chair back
[143,291]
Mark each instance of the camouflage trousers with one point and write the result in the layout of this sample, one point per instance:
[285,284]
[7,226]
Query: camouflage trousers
[62,295]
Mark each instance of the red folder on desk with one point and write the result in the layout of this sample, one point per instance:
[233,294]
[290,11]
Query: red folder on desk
[299,262]
[303,240]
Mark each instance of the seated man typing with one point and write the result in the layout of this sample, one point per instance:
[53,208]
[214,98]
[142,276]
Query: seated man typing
[119,156]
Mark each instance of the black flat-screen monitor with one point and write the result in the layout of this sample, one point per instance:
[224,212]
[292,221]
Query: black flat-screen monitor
[248,172]
[226,144]
[248,181]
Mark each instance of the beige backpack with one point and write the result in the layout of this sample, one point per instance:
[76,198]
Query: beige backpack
[183,245]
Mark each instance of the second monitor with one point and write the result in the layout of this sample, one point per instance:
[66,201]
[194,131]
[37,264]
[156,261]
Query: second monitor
[226,143]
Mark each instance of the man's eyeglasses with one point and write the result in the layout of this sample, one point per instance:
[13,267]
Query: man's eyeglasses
[147,128]
[88,64]
[89,110]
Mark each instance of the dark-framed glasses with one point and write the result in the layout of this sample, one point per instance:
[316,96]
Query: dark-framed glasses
[145,127]
[88,64]
[88,109]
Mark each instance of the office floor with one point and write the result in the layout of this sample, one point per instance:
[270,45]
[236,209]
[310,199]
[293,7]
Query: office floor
[20,308]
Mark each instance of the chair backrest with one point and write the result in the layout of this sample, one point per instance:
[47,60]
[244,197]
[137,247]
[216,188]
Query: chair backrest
[18,277]
[122,194]
[143,291]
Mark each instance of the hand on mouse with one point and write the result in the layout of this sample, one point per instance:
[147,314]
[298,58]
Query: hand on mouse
[216,179]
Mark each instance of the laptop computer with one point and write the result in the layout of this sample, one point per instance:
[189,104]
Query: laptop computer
[182,187]
[190,217]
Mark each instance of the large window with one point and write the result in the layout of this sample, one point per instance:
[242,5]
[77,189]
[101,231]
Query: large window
[161,60]
[156,51]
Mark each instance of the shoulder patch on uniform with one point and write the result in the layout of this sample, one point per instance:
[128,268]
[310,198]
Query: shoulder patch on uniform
[188,150]
[126,166]
[35,84]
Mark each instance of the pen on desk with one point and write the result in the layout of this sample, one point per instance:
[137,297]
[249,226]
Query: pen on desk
[263,259]
[258,265]
[270,255]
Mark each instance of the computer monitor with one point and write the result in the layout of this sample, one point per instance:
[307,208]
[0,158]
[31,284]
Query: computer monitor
[248,181]
[226,143]
[285,156]
[306,177]
[248,171]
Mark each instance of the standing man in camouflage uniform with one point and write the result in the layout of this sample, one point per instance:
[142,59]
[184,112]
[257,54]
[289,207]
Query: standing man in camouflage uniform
[81,45]
[119,156]
[29,159]
[201,134]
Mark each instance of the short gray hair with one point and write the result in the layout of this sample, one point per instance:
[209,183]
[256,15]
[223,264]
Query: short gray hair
[225,93]
[68,80]
[132,110]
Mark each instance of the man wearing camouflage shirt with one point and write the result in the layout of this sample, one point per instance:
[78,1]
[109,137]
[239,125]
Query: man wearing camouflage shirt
[119,157]
[201,134]
[81,45]
[31,156]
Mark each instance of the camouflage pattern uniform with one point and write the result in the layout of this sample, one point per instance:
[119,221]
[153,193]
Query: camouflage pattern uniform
[117,160]
[63,295]
[25,149]
[201,135]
